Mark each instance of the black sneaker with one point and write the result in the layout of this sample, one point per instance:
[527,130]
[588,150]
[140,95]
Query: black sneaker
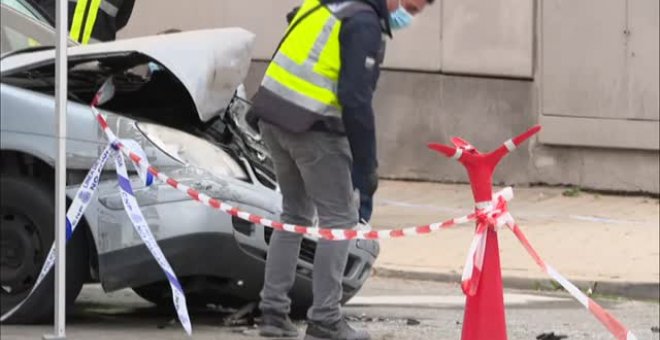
[339,330]
[276,325]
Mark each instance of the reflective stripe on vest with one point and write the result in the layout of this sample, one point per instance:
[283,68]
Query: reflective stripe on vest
[84,17]
[306,68]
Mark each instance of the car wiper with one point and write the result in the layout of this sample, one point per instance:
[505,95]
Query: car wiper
[27,50]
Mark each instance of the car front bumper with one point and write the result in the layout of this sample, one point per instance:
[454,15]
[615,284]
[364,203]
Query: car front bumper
[200,242]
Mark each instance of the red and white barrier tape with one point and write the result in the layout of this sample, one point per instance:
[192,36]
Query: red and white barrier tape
[474,260]
[326,233]
[486,216]
[499,217]
[612,324]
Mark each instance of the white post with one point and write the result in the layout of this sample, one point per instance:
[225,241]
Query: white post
[61,22]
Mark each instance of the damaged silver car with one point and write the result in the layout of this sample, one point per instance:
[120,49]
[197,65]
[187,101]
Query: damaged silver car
[176,97]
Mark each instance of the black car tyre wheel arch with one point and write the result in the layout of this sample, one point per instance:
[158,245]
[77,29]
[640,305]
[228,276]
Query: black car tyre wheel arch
[27,208]
[157,293]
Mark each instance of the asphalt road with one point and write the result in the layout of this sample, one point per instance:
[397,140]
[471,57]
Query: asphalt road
[388,308]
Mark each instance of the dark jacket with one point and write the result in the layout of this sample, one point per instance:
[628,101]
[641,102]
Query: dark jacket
[362,52]
[105,26]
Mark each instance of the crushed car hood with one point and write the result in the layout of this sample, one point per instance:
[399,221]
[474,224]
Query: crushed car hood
[210,64]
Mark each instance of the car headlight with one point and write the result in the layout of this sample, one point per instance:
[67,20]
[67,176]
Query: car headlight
[191,150]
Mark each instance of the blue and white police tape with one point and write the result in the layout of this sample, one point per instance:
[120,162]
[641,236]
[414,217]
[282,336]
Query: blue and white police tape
[142,228]
[146,177]
[105,93]
[74,213]
[80,203]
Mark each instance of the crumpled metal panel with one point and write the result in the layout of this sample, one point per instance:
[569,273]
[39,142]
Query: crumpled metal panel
[210,64]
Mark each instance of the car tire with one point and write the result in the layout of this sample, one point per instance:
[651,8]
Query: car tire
[27,213]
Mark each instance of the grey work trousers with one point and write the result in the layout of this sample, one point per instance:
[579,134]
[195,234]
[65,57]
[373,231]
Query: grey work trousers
[313,169]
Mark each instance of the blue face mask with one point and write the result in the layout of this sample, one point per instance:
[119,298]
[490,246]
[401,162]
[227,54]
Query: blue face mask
[400,18]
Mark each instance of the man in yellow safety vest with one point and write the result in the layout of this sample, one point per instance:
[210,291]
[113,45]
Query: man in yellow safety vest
[93,19]
[316,117]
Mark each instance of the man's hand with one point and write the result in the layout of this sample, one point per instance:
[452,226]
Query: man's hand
[365,180]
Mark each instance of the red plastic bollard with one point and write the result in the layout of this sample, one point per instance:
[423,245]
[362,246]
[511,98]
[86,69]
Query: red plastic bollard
[484,316]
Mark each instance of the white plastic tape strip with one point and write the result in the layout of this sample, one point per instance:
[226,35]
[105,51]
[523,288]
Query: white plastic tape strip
[469,260]
[142,228]
[457,154]
[474,260]
[510,145]
[481,251]
[73,215]
[485,205]
[145,175]
[570,287]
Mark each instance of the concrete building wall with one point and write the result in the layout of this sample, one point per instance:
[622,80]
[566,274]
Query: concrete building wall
[599,73]
[587,70]
[494,37]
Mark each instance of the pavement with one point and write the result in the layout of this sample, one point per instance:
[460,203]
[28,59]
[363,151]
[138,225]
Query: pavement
[608,244]
[388,308]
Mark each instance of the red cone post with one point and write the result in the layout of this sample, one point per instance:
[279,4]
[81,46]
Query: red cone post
[484,312]
[484,309]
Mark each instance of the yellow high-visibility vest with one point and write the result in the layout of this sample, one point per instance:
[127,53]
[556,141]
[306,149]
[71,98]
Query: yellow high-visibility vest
[85,15]
[305,69]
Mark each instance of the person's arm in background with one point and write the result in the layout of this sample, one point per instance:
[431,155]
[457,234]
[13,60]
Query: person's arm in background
[360,39]
[124,13]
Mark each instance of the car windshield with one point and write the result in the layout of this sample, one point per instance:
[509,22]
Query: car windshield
[20,31]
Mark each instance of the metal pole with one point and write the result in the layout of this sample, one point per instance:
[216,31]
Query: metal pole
[61,70]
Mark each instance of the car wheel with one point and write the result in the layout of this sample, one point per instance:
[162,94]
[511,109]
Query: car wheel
[27,214]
